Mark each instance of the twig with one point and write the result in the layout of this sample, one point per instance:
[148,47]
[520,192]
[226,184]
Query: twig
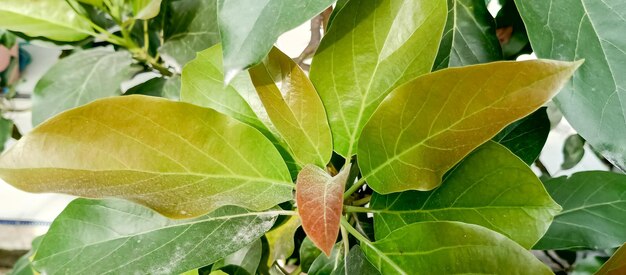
[542,168]
[317,24]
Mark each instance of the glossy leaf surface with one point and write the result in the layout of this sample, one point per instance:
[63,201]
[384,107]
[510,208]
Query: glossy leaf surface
[53,19]
[491,187]
[79,79]
[594,211]
[320,202]
[527,136]
[191,27]
[185,164]
[616,264]
[249,28]
[469,36]
[450,248]
[594,102]
[294,108]
[429,124]
[116,236]
[371,48]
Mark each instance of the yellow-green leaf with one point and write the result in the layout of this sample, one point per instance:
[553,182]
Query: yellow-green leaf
[371,48]
[53,19]
[146,9]
[426,126]
[294,108]
[183,164]
[280,240]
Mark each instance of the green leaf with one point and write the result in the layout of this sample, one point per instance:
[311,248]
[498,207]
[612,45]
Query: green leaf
[356,263]
[594,102]
[249,33]
[491,187]
[469,36]
[450,248]
[191,26]
[186,163]
[243,262]
[428,125]
[616,264]
[573,151]
[527,136]
[158,86]
[115,236]
[319,197]
[325,265]
[202,84]
[308,253]
[6,130]
[80,79]
[294,108]
[53,19]
[24,266]
[97,3]
[594,211]
[146,9]
[371,48]
[280,240]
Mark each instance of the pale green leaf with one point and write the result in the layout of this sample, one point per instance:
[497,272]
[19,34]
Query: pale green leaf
[79,79]
[426,126]
[594,102]
[24,266]
[294,108]
[469,36]
[491,187]
[119,237]
[249,28]
[146,9]
[53,19]
[280,240]
[371,48]
[450,248]
[243,262]
[186,163]
[191,26]
[594,211]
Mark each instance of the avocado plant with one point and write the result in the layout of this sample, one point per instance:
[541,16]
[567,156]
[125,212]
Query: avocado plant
[406,149]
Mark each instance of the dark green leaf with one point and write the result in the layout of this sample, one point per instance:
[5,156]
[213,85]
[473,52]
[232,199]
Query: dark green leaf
[308,253]
[159,87]
[356,263]
[450,248]
[573,151]
[594,211]
[6,130]
[79,79]
[190,27]
[469,36]
[527,136]
[186,163]
[509,23]
[594,102]
[491,187]
[325,265]
[115,236]
[371,48]
[249,33]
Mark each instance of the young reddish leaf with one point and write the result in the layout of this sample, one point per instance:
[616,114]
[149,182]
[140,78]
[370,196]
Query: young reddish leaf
[320,201]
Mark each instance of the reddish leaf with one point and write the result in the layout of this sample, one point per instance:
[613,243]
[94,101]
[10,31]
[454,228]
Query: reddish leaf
[320,201]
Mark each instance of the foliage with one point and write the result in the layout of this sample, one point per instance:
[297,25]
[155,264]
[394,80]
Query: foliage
[411,115]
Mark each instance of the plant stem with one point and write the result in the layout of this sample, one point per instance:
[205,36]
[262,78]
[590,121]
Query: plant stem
[355,187]
[358,209]
[346,242]
[362,201]
[346,225]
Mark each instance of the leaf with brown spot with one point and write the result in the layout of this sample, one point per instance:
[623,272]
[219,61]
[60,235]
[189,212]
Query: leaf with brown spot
[320,201]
